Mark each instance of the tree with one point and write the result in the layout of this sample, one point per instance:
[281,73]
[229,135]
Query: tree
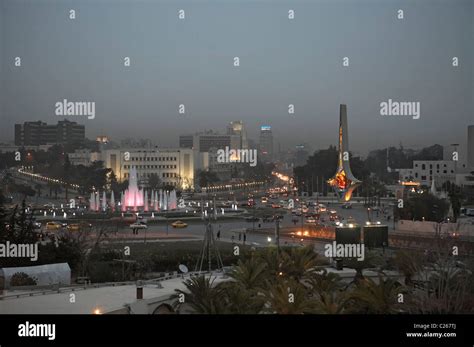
[288,296]
[331,303]
[424,206]
[238,300]
[206,178]
[447,289]
[154,182]
[456,197]
[408,263]
[201,295]
[324,282]
[298,263]
[376,297]
[251,273]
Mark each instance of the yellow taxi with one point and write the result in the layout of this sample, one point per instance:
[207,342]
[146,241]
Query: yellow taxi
[179,224]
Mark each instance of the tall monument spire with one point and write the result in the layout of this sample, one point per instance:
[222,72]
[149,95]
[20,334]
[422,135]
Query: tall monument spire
[343,182]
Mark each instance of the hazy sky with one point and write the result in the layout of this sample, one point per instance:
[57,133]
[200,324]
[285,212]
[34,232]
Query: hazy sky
[281,62]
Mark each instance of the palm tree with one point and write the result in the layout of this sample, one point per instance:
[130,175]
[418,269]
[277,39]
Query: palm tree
[334,302]
[325,282]
[237,299]
[377,298]
[298,263]
[288,297]
[408,263]
[200,295]
[251,273]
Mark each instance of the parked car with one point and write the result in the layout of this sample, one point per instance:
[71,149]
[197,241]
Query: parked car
[52,226]
[78,226]
[138,225]
[179,224]
[310,220]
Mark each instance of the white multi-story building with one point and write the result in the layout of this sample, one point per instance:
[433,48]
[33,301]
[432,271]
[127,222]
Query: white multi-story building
[174,167]
[83,157]
[424,171]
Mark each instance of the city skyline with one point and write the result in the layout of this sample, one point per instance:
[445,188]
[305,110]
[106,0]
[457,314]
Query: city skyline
[192,64]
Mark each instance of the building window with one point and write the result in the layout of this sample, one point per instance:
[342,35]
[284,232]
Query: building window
[423,166]
[423,178]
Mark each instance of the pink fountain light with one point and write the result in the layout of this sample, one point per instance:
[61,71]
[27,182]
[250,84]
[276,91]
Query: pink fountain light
[133,196]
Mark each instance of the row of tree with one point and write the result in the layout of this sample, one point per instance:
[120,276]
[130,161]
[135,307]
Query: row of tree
[293,283]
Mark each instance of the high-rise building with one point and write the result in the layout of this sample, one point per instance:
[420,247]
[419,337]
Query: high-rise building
[205,141]
[470,147]
[301,155]
[40,133]
[237,128]
[266,143]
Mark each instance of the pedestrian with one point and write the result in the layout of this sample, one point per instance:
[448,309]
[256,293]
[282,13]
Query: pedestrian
[232,238]
[245,238]
[219,235]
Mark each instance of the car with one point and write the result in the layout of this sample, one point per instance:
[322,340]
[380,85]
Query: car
[138,225]
[264,200]
[36,225]
[276,206]
[51,226]
[310,220]
[78,226]
[179,224]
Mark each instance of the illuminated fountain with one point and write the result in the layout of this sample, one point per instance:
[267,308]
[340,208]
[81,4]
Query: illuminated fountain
[343,182]
[133,196]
